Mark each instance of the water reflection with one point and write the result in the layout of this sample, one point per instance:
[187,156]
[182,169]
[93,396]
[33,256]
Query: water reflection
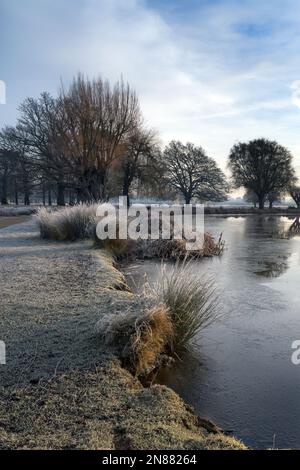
[272,268]
[276,264]
[294,229]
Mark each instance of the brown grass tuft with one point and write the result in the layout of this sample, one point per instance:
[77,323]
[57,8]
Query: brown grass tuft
[140,339]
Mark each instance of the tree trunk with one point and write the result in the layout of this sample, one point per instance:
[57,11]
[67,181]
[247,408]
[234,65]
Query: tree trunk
[26,190]
[49,197]
[4,200]
[261,202]
[125,191]
[16,195]
[71,198]
[271,205]
[26,198]
[44,194]
[60,194]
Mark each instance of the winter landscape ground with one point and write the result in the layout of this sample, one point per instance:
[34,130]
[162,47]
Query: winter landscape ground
[61,387]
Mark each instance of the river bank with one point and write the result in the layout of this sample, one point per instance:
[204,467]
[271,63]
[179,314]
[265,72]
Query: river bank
[61,387]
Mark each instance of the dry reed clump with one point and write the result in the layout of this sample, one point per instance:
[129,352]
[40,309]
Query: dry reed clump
[70,223]
[161,249]
[211,247]
[79,222]
[142,340]
[191,301]
[176,249]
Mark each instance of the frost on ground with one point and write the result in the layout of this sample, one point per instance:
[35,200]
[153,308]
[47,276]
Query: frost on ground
[61,387]
[16,211]
[103,408]
[52,295]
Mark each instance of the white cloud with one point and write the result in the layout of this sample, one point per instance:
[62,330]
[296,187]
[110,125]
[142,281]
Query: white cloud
[220,74]
[295,87]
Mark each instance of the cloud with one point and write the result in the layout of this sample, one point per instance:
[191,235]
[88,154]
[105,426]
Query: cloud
[210,72]
[295,87]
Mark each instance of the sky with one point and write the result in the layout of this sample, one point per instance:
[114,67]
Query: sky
[212,72]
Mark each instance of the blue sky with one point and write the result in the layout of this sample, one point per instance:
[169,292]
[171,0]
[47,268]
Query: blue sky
[209,71]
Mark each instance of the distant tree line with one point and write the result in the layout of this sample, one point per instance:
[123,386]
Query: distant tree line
[90,143]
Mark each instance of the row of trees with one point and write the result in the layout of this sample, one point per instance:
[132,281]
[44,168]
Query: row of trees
[90,143]
[70,144]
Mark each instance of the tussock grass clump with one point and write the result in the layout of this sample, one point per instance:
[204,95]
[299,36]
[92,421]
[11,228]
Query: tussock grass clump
[176,249]
[70,223]
[191,301]
[141,339]
[184,304]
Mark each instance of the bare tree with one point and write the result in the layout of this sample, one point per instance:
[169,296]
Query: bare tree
[23,174]
[261,166]
[6,169]
[295,194]
[42,129]
[99,118]
[193,174]
[139,150]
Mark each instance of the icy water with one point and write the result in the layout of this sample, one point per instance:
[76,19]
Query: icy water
[240,373]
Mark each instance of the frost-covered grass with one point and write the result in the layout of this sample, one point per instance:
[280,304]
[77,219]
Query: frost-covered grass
[173,312]
[104,408]
[79,222]
[71,223]
[140,338]
[62,388]
[191,301]
[16,211]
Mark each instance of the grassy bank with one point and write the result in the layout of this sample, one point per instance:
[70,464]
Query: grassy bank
[62,386]
[102,408]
